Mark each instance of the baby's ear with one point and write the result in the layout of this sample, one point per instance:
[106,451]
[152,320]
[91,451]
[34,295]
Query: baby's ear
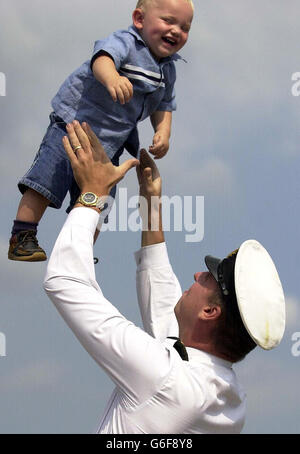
[138,18]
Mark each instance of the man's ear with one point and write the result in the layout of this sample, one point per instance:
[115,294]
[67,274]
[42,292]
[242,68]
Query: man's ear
[138,18]
[210,313]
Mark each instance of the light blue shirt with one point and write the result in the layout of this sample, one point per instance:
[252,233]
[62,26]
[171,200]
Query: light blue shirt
[83,98]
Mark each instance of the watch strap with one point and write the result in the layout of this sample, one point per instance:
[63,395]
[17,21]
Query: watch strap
[90,199]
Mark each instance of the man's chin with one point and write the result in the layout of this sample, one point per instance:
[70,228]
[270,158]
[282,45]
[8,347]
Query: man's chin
[177,308]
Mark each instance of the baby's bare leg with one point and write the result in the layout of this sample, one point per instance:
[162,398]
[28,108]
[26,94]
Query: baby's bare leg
[32,207]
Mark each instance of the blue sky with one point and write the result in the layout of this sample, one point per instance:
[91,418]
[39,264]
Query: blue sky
[235,141]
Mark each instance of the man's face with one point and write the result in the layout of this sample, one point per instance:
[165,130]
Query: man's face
[165,27]
[194,300]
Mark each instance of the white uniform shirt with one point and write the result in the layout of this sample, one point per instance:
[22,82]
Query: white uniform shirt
[156,391]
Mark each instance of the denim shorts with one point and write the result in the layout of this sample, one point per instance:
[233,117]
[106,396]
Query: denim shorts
[51,173]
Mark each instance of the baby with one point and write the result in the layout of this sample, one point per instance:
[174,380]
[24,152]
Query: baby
[130,77]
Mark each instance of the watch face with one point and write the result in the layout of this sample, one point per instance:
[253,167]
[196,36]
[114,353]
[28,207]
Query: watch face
[89,197]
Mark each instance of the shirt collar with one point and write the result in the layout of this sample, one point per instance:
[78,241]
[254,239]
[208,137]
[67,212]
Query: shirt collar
[207,358]
[135,33]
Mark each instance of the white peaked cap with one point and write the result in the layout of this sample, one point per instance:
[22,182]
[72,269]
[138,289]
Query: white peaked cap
[259,295]
[248,278]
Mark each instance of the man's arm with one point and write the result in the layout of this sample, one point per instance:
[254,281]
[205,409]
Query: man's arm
[158,289]
[115,343]
[150,200]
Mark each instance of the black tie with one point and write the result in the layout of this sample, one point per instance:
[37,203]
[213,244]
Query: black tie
[179,346]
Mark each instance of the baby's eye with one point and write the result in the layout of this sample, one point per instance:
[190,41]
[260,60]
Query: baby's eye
[168,20]
[186,28]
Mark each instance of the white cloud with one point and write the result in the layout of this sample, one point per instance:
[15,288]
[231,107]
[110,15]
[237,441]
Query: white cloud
[16,33]
[35,376]
[215,175]
[271,382]
[236,87]
[292,312]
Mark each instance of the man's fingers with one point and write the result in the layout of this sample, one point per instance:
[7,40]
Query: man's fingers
[81,136]
[148,174]
[94,141]
[147,161]
[144,174]
[73,139]
[127,165]
[139,168]
[138,174]
[69,150]
[97,148]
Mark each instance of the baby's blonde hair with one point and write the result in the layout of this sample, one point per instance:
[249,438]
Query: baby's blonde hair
[143,3]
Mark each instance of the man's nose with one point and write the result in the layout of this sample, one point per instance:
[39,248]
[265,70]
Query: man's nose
[201,277]
[197,276]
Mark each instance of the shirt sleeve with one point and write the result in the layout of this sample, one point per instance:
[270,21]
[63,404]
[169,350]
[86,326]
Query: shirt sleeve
[158,291]
[117,45]
[168,103]
[135,361]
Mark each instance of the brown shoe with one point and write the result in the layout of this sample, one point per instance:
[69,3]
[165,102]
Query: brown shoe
[24,247]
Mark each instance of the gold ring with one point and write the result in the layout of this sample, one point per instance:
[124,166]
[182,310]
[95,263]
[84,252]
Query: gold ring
[77,148]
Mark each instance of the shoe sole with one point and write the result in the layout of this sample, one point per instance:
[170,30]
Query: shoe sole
[38,257]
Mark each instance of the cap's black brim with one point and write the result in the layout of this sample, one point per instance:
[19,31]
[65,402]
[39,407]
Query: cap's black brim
[212,264]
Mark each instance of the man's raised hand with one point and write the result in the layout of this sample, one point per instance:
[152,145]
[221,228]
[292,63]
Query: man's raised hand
[92,169]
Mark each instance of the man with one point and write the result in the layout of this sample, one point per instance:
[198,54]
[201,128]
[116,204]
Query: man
[161,387]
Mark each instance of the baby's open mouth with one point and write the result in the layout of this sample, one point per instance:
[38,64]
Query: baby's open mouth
[170,41]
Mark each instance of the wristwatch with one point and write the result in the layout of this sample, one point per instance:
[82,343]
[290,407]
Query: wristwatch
[89,199]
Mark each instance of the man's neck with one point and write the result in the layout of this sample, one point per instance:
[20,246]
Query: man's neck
[204,344]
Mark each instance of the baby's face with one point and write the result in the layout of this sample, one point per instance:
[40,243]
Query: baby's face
[165,26]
